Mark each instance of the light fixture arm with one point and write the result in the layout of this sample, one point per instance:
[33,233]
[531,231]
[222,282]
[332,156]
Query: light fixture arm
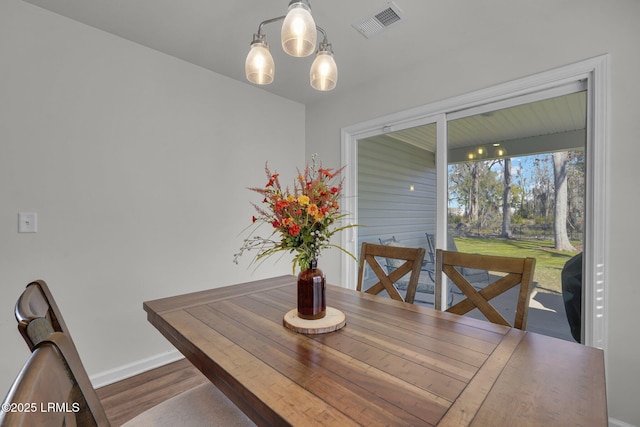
[324,45]
[324,35]
[268,21]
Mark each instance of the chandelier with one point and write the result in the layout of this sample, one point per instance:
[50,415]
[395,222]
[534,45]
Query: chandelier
[299,38]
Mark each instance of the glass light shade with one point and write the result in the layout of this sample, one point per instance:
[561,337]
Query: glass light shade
[324,72]
[259,66]
[500,152]
[299,34]
[481,152]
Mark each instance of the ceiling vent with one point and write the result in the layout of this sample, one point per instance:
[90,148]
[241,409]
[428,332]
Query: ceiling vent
[380,20]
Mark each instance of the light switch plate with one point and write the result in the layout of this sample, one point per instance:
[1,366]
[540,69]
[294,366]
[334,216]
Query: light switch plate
[27,222]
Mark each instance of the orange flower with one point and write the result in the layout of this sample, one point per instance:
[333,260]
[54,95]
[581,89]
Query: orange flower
[312,209]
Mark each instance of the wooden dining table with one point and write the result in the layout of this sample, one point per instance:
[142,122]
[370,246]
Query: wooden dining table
[392,364]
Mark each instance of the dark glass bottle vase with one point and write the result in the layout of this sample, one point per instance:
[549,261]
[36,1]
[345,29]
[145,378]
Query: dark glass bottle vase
[311,293]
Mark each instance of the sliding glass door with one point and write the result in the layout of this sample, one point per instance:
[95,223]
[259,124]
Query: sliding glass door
[520,164]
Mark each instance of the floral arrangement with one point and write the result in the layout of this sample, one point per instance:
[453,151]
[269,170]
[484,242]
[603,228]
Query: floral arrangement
[304,218]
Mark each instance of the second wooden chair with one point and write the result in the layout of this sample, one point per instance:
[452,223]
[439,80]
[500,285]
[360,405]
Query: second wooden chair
[519,271]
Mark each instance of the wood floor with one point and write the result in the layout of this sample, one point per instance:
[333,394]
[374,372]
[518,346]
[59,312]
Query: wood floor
[125,399]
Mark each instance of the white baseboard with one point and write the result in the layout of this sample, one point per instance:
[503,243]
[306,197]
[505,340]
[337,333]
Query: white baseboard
[120,373]
[617,423]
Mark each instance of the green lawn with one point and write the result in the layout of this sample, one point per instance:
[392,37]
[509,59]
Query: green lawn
[549,262]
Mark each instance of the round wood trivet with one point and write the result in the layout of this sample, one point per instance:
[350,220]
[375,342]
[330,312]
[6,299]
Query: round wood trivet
[332,321]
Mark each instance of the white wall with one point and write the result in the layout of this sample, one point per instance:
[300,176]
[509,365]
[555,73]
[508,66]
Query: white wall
[137,164]
[575,30]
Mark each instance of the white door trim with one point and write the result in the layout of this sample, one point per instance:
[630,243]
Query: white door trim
[596,72]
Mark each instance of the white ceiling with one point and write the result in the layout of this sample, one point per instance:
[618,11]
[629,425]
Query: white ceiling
[216,34]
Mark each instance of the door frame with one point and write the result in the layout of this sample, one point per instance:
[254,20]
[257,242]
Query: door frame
[595,72]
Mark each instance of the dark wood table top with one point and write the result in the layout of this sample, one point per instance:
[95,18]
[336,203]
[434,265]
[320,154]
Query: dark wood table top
[392,364]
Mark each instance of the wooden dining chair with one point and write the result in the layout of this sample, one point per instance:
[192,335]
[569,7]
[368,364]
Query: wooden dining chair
[409,261]
[41,324]
[518,271]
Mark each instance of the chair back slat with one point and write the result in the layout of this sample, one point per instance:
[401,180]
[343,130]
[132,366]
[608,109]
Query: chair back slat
[484,262]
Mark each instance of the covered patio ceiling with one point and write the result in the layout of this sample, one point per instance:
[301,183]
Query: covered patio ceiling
[553,124]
